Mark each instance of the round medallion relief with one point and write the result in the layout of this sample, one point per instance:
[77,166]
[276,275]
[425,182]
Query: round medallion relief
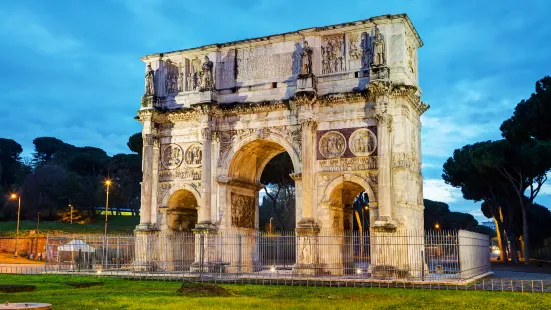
[362,142]
[194,155]
[332,144]
[172,156]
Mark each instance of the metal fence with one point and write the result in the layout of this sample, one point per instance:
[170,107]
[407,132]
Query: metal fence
[435,256]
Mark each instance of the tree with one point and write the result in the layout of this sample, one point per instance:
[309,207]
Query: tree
[524,166]
[10,162]
[135,143]
[280,189]
[486,185]
[45,148]
[532,117]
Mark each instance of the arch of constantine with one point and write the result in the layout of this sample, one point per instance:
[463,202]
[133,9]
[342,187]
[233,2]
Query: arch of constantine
[343,101]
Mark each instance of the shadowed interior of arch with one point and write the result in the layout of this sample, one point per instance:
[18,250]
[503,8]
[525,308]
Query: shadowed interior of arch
[182,211]
[247,163]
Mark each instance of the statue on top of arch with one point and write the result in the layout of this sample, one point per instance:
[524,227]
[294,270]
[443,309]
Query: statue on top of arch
[207,80]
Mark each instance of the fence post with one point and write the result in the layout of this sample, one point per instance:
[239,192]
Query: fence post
[201,254]
[422,266]
[239,248]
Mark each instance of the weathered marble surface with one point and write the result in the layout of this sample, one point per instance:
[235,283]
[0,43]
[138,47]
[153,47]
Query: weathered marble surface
[352,125]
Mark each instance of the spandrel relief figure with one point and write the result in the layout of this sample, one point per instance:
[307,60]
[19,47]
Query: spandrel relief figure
[379,57]
[207,82]
[149,81]
[306,56]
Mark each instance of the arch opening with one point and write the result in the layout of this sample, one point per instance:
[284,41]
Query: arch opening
[260,172]
[182,211]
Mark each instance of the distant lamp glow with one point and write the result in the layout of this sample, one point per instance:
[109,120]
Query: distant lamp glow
[273,269]
[436,226]
[358,271]
[366,207]
[98,272]
[13,196]
[107,182]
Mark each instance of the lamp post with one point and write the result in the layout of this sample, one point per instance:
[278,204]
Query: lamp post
[107,184]
[271,218]
[38,223]
[18,197]
[71,206]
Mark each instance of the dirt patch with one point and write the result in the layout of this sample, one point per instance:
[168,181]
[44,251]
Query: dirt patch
[84,284]
[202,289]
[16,288]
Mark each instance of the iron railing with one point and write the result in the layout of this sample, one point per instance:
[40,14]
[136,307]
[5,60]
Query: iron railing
[434,256]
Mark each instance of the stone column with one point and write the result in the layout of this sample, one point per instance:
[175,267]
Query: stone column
[309,127]
[384,154]
[297,177]
[205,214]
[147,179]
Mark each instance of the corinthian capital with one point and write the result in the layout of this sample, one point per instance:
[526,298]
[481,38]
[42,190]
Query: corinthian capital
[309,124]
[383,119]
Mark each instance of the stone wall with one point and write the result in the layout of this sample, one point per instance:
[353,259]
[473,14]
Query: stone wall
[26,244]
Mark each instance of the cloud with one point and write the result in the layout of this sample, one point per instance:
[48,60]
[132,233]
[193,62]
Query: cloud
[438,190]
[25,29]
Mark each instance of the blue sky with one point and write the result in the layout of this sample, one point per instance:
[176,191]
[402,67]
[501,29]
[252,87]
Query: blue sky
[71,69]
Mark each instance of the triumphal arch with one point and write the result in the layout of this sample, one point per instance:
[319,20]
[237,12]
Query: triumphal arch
[343,101]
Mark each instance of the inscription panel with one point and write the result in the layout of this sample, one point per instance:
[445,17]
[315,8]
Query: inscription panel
[260,63]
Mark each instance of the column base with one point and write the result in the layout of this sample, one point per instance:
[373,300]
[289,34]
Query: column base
[146,249]
[384,222]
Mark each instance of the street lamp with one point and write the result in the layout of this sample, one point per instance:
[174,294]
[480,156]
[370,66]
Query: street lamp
[363,216]
[271,218]
[107,185]
[18,197]
[436,226]
[71,206]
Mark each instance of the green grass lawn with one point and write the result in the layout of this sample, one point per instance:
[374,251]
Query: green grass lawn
[116,224]
[128,294]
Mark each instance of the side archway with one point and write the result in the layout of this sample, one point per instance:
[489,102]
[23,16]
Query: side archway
[181,211]
[340,180]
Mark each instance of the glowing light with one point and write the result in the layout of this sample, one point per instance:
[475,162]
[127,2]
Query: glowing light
[358,271]
[273,269]
[98,272]
[13,196]
[107,182]
[437,226]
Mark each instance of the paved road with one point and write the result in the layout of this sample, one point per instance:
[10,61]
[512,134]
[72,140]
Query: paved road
[21,268]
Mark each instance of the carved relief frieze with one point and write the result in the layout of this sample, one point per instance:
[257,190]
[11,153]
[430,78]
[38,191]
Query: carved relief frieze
[194,155]
[162,189]
[411,56]
[172,156]
[193,78]
[348,164]
[182,173]
[363,142]
[332,54]
[360,48]
[406,160]
[171,77]
[332,144]
[373,181]
[243,211]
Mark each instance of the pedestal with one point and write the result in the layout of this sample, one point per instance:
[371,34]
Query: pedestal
[307,248]
[145,250]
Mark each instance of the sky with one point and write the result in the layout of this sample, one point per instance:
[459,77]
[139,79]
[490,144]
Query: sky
[71,69]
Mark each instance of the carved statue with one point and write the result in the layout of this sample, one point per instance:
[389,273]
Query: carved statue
[379,58]
[149,81]
[181,79]
[306,56]
[332,55]
[207,82]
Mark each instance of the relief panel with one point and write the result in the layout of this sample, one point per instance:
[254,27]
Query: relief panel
[243,211]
